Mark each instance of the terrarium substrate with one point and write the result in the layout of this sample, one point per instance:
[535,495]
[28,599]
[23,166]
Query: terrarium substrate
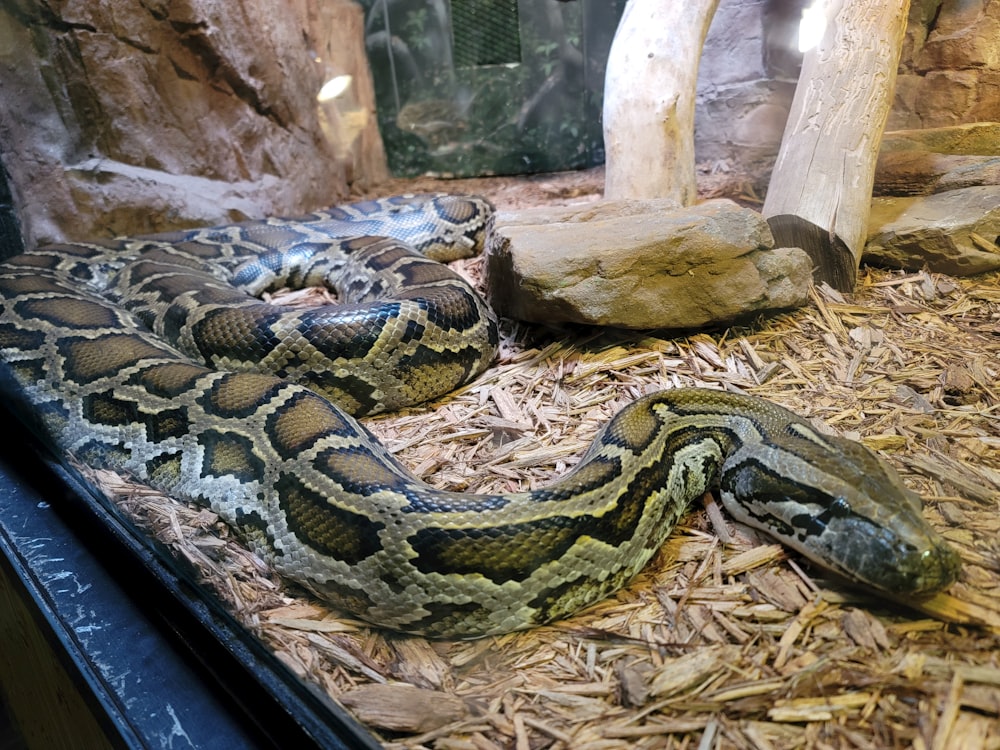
[725,640]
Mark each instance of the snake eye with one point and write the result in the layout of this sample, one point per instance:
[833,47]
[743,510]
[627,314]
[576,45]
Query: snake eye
[840,508]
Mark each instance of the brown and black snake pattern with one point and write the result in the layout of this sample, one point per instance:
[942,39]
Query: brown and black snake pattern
[143,355]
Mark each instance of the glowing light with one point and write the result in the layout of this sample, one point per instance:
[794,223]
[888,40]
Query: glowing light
[812,26]
[334,88]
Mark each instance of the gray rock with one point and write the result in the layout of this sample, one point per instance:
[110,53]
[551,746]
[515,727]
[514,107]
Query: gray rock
[641,264]
[924,172]
[955,232]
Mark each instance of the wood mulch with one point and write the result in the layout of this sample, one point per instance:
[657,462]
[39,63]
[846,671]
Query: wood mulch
[725,640]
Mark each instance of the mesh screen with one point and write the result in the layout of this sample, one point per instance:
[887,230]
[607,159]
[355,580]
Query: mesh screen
[485,32]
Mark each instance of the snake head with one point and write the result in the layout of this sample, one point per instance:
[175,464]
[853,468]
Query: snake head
[846,509]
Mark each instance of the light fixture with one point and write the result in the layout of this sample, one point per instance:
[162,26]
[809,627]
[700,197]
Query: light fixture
[334,88]
[812,25]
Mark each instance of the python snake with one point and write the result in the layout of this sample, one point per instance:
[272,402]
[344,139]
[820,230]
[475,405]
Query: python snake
[138,354]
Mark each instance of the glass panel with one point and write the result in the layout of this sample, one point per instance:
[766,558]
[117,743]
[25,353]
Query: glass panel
[478,87]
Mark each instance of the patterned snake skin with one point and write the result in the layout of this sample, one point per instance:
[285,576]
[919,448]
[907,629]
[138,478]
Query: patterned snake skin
[145,355]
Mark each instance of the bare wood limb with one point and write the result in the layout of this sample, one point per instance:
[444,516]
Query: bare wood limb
[649,91]
[819,196]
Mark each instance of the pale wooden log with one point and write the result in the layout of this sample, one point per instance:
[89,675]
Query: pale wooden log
[819,195]
[649,91]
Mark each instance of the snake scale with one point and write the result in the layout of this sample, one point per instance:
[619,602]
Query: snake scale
[142,354]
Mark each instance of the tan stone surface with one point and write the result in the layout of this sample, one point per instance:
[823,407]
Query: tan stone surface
[124,117]
[639,264]
[969,139]
[955,232]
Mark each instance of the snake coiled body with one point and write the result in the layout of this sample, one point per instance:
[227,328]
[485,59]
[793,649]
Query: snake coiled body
[140,355]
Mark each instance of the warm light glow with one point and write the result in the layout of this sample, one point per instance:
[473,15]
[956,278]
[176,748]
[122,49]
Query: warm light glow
[334,88]
[812,26]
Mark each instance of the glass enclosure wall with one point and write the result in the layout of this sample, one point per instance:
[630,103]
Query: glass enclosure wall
[479,87]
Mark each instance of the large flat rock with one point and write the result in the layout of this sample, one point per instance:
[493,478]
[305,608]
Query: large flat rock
[641,264]
[970,139]
[955,232]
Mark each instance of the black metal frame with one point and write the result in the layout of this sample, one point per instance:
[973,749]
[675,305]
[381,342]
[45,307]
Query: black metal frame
[151,652]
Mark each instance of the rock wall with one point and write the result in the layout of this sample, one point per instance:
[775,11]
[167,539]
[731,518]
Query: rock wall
[125,116]
[949,73]
[746,81]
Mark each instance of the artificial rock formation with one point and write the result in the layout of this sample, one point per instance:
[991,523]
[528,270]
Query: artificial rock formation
[933,160]
[641,264]
[950,70]
[949,73]
[132,116]
[939,200]
[956,232]
[924,172]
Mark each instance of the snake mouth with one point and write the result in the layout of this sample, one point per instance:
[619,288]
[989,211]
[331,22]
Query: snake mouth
[910,560]
[920,575]
[940,568]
